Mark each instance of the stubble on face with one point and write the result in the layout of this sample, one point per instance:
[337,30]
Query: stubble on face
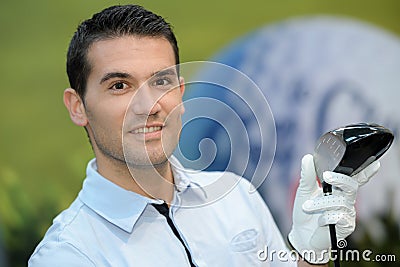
[153,153]
[108,117]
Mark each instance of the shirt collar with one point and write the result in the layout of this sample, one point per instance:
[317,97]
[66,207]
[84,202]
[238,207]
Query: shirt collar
[117,205]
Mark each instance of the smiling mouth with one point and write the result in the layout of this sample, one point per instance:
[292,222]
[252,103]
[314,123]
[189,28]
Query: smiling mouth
[147,129]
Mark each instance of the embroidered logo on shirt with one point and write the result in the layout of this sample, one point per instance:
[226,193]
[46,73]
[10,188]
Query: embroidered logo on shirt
[244,241]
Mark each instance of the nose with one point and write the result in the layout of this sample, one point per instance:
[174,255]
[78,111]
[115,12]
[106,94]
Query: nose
[145,101]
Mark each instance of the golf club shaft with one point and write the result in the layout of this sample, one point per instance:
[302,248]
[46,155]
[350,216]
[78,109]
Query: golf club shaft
[335,249]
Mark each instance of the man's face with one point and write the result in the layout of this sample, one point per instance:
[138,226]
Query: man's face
[133,100]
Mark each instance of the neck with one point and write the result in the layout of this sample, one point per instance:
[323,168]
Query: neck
[155,182]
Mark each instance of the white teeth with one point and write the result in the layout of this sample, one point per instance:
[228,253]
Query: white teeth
[147,129]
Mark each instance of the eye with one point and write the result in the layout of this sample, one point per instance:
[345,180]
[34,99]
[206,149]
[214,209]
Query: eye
[161,82]
[119,86]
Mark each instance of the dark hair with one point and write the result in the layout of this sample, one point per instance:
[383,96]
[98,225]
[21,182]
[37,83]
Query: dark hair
[112,22]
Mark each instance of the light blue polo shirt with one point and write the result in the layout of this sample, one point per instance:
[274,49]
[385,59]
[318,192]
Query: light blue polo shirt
[221,223]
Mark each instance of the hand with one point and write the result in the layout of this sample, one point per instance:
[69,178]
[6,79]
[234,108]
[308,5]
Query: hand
[313,212]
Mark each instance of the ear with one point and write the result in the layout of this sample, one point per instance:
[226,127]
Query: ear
[75,106]
[182,90]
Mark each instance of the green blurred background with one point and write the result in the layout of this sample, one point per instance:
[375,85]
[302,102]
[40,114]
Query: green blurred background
[43,155]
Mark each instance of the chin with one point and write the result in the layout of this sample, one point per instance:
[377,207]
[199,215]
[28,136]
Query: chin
[145,161]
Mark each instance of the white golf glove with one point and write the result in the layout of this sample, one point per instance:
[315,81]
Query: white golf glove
[313,212]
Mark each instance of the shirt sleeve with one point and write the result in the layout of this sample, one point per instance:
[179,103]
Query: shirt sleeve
[56,254]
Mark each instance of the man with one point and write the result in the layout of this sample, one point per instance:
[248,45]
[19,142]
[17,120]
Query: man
[138,205]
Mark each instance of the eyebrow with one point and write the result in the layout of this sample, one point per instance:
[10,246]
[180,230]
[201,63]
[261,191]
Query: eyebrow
[111,75]
[164,72]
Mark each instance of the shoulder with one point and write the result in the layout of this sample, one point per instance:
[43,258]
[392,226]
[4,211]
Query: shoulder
[204,178]
[226,187]
[224,178]
[60,254]
[60,245]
